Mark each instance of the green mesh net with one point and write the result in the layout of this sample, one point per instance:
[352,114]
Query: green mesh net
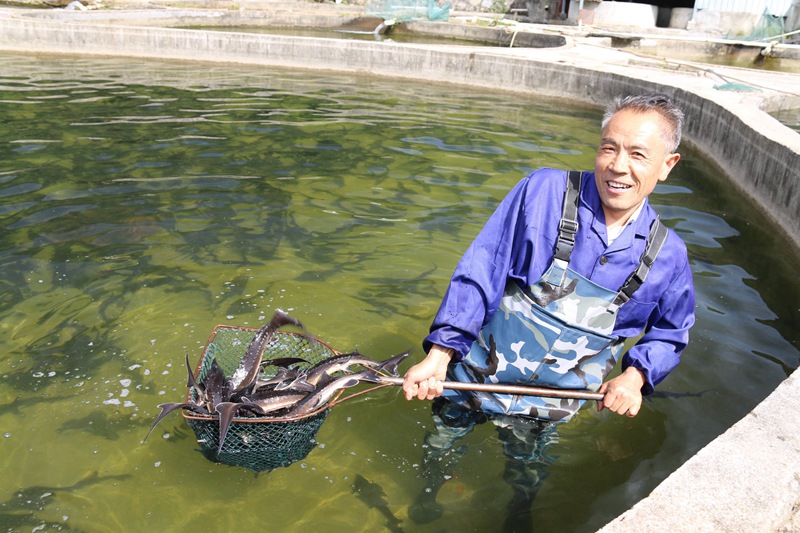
[407,10]
[768,26]
[258,443]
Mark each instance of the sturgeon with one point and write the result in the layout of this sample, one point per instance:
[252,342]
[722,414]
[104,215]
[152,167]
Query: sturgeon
[343,363]
[248,369]
[322,395]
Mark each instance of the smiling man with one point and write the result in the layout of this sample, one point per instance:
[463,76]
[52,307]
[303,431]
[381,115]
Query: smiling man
[569,266]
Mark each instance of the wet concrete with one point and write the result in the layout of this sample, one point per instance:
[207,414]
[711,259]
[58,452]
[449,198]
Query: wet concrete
[748,478]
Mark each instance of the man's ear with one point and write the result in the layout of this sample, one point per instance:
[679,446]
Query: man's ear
[669,163]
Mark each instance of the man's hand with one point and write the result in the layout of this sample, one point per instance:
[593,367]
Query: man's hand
[424,380]
[623,394]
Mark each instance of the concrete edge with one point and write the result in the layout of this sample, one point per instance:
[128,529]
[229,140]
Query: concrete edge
[723,487]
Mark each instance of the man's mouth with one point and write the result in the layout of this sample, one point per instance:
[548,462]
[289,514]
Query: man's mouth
[618,186]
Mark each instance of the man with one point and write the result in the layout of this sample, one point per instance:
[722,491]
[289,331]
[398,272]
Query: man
[566,269]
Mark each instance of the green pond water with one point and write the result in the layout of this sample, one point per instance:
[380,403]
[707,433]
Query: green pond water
[143,203]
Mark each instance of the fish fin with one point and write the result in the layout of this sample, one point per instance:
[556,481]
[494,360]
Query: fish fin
[368,375]
[299,383]
[167,408]
[280,319]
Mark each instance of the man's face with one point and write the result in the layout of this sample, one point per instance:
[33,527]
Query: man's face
[631,160]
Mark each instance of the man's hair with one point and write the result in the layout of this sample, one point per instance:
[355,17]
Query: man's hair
[661,104]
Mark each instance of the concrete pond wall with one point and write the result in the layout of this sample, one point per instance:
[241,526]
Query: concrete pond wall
[727,486]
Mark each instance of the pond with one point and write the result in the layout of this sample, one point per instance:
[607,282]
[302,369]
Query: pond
[143,203]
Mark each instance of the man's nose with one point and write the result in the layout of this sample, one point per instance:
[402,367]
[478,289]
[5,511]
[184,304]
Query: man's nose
[621,162]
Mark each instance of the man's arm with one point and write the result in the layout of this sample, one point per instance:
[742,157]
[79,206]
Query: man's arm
[658,351]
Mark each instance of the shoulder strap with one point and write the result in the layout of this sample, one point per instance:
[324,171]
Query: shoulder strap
[655,241]
[568,226]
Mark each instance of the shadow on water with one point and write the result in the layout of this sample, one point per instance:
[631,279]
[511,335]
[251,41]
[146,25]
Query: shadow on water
[143,206]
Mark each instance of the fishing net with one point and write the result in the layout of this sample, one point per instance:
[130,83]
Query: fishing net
[407,10]
[258,443]
[768,26]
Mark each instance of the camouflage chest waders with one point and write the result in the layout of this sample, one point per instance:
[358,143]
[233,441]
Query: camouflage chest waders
[558,333]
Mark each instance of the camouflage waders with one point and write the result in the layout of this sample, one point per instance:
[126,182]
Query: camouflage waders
[557,333]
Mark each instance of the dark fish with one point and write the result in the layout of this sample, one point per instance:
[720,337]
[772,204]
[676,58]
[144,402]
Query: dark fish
[167,408]
[284,379]
[272,401]
[676,395]
[25,505]
[227,410]
[297,383]
[322,395]
[283,362]
[217,387]
[248,369]
[343,363]
[191,382]
[372,494]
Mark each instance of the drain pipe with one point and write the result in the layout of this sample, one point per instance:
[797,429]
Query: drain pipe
[385,23]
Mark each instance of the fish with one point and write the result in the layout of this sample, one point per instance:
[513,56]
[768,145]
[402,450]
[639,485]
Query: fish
[676,395]
[290,393]
[283,362]
[217,387]
[322,395]
[284,378]
[374,497]
[250,365]
[191,382]
[343,363]
[271,401]
[226,411]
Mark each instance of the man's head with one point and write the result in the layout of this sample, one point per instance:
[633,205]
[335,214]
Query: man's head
[661,104]
[637,150]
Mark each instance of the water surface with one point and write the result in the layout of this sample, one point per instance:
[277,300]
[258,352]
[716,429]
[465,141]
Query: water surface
[145,202]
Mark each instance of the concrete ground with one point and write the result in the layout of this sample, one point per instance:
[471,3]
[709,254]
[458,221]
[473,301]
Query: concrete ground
[746,480]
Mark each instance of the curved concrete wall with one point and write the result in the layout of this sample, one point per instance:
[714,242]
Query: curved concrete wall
[728,486]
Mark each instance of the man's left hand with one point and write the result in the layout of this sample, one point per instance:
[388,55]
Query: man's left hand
[623,394]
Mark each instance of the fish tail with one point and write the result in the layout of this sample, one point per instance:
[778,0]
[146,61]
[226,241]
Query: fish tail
[167,408]
[391,365]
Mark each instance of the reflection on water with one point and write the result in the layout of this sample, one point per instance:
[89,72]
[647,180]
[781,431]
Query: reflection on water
[145,203]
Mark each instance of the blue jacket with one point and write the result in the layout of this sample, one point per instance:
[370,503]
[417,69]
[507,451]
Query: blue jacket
[518,242]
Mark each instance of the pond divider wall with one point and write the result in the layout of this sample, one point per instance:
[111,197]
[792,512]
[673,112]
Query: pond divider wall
[747,479]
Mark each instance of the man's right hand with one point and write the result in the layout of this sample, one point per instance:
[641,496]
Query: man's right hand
[424,380]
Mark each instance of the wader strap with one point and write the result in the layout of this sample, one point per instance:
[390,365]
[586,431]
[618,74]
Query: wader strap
[568,226]
[655,241]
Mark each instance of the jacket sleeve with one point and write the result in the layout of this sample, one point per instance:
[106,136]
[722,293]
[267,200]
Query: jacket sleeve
[658,351]
[503,248]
